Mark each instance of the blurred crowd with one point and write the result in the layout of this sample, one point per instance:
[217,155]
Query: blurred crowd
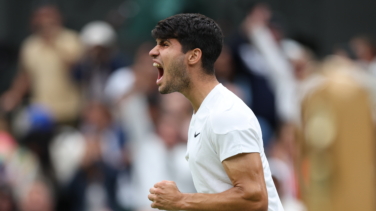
[84,129]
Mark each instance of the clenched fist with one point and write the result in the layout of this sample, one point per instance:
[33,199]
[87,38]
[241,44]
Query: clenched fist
[166,195]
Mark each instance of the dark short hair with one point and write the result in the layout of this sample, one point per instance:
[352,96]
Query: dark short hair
[193,31]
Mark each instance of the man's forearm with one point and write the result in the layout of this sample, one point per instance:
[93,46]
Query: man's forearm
[248,192]
[232,199]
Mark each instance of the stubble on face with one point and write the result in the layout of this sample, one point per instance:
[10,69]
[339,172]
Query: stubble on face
[178,80]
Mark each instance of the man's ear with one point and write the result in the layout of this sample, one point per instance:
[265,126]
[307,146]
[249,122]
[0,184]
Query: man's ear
[194,56]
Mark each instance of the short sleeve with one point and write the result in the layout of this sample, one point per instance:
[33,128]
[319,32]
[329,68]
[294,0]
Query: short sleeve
[69,45]
[236,142]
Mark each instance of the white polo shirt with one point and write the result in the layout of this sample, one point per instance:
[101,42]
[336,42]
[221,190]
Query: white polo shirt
[224,126]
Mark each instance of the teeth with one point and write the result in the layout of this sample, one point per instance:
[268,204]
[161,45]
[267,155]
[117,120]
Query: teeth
[157,65]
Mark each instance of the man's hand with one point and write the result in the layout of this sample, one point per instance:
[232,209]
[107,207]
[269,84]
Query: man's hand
[165,195]
[259,16]
[9,100]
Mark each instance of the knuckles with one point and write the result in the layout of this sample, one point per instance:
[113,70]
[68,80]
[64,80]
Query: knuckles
[156,205]
[159,191]
[155,190]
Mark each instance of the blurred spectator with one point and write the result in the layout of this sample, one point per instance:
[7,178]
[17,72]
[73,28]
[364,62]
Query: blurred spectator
[252,71]
[7,199]
[161,152]
[98,121]
[100,59]
[93,185]
[7,142]
[225,72]
[301,58]
[285,149]
[304,69]
[281,174]
[365,52]
[21,169]
[67,150]
[160,157]
[18,166]
[129,88]
[38,128]
[38,196]
[176,106]
[267,36]
[45,63]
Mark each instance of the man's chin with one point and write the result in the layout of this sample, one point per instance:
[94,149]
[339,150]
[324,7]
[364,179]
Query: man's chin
[165,90]
[162,90]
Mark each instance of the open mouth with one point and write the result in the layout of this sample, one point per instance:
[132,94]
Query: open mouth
[160,71]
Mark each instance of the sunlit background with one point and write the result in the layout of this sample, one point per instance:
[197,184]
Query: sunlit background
[83,127]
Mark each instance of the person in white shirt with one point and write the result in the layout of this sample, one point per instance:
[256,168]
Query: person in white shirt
[225,151]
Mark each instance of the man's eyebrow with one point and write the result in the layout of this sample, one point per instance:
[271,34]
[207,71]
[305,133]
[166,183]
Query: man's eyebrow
[159,41]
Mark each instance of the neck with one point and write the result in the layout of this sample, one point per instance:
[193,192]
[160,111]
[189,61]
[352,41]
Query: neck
[199,89]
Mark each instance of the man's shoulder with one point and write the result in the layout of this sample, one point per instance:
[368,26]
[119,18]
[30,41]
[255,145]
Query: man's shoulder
[34,40]
[231,114]
[31,40]
[69,33]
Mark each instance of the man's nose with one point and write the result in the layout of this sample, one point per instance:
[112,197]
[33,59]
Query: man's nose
[154,52]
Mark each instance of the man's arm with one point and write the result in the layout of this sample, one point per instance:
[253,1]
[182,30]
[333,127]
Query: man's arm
[248,191]
[11,98]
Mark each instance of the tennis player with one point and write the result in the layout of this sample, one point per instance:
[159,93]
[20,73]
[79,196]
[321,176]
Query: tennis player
[225,148]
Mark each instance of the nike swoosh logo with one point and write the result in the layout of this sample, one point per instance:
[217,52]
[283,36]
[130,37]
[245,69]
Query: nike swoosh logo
[196,134]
